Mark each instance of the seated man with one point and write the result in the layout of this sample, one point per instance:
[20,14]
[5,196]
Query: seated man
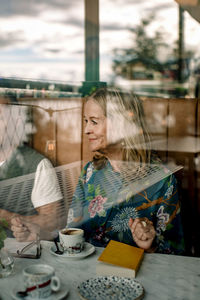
[29,185]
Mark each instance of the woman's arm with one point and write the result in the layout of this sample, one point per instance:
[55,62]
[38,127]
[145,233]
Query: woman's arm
[169,231]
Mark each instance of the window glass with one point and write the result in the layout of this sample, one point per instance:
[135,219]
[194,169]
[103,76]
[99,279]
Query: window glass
[42,40]
[42,88]
[133,55]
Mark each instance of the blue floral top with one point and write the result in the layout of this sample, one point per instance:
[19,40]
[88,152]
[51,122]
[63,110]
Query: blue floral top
[103,204]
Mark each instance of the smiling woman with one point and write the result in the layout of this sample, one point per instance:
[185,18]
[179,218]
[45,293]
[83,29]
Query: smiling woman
[106,204]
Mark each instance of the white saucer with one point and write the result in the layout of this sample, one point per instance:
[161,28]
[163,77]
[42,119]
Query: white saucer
[54,296]
[88,249]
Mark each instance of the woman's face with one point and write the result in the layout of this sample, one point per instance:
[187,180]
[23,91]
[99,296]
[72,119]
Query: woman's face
[95,126]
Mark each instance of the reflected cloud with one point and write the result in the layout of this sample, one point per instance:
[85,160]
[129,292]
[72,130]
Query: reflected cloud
[11,38]
[160,6]
[113,27]
[13,8]
[75,21]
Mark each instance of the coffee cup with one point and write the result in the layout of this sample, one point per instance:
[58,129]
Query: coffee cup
[72,240]
[40,281]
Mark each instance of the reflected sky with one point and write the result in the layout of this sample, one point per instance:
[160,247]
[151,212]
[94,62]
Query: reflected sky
[44,39]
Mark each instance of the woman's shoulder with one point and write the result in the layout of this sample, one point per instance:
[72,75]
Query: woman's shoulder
[163,170]
[163,178]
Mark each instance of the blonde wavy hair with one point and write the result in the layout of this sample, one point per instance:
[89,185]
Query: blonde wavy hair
[125,111]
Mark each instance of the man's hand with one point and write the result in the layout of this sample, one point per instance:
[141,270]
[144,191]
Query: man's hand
[23,230]
[6,215]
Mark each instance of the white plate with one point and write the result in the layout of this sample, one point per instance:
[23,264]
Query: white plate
[54,296]
[88,249]
[111,288]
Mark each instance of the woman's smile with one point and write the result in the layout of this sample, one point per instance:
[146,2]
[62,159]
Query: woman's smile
[95,126]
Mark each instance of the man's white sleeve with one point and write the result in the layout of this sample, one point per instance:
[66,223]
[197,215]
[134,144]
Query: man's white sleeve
[46,188]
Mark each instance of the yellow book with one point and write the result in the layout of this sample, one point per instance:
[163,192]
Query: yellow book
[119,259]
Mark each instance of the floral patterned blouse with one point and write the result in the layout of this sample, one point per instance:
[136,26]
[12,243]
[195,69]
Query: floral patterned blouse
[102,205]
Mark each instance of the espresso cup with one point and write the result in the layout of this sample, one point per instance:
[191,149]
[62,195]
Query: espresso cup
[72,240]
[40,281]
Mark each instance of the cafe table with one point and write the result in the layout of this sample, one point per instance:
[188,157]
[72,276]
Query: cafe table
[164,277]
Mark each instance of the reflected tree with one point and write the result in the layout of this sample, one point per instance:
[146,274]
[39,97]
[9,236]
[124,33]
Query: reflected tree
[145,50]
[150,55]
